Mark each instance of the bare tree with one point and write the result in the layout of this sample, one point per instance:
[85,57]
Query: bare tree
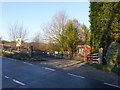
[37,38]
[54,29]
[17,31]
[37,41]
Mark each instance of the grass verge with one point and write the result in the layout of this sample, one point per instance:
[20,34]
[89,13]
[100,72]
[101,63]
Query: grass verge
[106,68]
[22,56]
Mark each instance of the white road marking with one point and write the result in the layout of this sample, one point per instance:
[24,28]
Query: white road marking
[112,85]
[18,82]
[75,75]
[13,59]
[48,68]
[27,63]
[6,77]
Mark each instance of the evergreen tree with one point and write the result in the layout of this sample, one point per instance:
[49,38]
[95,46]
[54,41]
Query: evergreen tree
[71,37]
[104,19]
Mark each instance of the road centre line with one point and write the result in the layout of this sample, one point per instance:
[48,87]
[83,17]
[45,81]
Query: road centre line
[75,75]
[6,76]
[112,85]
[13,59]
[48,68]
[27,63]
[18,82]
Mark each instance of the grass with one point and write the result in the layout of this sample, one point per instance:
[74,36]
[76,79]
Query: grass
[21,56]
[106,68]
[116,70]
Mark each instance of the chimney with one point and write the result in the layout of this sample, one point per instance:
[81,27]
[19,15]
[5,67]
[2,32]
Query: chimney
[83,36]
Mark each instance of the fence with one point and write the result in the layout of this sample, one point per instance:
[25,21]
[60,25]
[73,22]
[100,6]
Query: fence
[94,58]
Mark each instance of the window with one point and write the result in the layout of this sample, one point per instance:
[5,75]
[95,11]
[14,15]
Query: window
[80,50]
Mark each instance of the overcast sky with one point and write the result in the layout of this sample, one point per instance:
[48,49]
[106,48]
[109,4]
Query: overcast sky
[35,14]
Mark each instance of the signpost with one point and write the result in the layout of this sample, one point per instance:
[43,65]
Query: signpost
[18,43]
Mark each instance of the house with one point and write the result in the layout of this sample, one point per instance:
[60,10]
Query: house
[83,49]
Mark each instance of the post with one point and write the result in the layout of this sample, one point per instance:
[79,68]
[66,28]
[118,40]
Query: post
[31,51]
[100,55]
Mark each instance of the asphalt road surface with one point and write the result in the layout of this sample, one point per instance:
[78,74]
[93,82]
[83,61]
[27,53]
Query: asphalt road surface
[22,74]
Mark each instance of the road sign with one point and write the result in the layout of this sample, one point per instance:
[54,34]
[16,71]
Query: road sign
[18,42]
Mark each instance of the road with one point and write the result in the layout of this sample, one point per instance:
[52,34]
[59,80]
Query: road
[22,74]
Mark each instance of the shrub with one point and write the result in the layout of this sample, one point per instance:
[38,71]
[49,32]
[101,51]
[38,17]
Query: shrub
[113,54]
[7,54]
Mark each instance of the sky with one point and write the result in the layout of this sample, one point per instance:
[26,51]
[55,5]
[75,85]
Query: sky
[34,15]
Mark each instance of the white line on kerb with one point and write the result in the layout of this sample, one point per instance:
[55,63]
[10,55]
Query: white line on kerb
[18,82]
[75,75]
[112,85]
[27,63]
[48,68]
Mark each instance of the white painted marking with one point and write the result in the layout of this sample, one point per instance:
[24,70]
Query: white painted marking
[112,85]
[24,62]
[27,63]
[48,68]
[6,77]
[75,75]
[14,59]
[18,82]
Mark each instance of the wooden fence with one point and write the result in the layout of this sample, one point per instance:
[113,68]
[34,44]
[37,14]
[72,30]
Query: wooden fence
[94,58]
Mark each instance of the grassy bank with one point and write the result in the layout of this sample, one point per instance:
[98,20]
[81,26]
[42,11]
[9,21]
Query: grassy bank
[106,68]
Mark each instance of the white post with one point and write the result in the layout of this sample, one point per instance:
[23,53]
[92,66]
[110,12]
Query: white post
[100,55]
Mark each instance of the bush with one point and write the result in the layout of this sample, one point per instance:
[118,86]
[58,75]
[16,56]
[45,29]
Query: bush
[113,54]
[7,54]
